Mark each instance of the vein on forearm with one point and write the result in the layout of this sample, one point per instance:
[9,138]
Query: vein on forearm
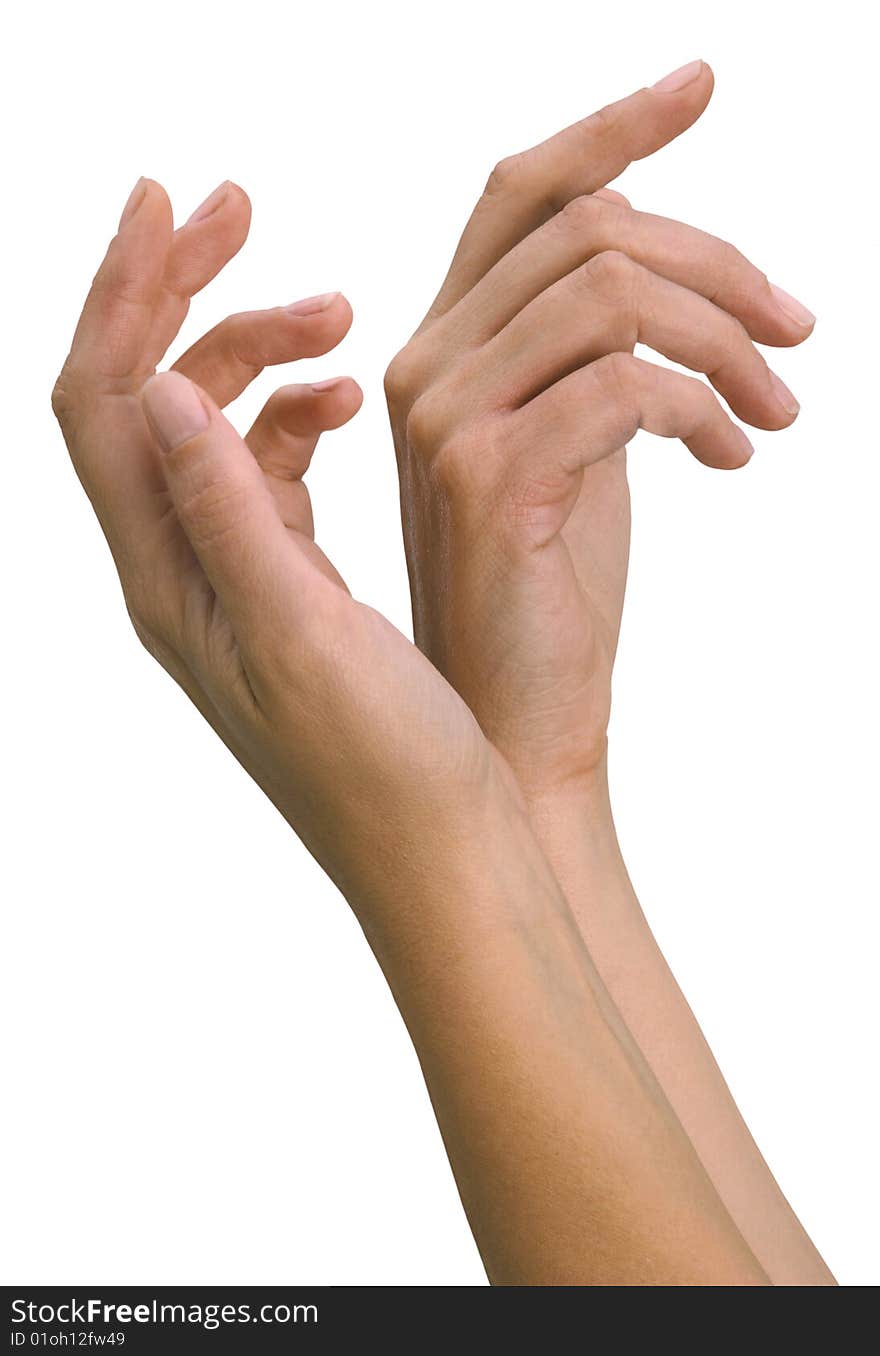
[570,1162]
[579,838]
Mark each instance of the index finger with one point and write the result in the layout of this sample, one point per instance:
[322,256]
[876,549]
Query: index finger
[525,190]
[108,346]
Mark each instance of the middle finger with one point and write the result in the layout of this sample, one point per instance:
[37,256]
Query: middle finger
[589,225]
[609,305]
[228,358]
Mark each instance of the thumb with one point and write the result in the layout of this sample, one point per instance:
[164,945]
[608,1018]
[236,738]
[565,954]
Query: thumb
[223,504]
[612,195]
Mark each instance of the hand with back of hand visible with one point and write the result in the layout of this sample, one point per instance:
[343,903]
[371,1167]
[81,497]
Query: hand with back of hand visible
[511,405]
[510,408]
[571,1164]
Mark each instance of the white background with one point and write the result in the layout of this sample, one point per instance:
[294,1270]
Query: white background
[206,1078]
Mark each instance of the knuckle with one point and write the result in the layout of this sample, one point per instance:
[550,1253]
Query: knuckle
[620,377]
[230,332]
[612,280]
[469,472]
[211,510]
[65,395]
[734,344]
[403,377]
[61,402]
[581,215]
[145,632]
[508,174]
[702,395]
[617,281]
[148,623]
[603,125]
[455,467]
[119,280]
[739,335]
[425,423]
[761,280]
[733,261]
[235,340]
[617,374]
[612,270]
[741,280]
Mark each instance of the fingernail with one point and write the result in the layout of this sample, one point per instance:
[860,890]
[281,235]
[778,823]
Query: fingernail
[784,395]
[312,304]
[792,307]
[174,409]
[678,79]
[328,385]
[135,198]
[211,203]
[747,447]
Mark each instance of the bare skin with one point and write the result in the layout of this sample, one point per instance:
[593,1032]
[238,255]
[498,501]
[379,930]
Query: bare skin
[572,1166]
[511,407]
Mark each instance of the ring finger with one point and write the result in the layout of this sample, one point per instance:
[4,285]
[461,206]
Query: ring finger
[610,305]
[590,225]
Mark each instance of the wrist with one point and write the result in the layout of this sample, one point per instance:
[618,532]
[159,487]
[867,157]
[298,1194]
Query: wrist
[574,824]
[579,805]
[472,871]
[397,845]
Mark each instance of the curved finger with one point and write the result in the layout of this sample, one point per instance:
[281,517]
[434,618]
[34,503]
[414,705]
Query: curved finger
[526,189]
[285,434]
[593,412]
[199,249]
[228,358]
[612,304]
[211,236]
[589,226]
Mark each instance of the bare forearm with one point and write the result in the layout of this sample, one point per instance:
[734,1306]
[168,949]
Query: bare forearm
[571,1165]
[577,833]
